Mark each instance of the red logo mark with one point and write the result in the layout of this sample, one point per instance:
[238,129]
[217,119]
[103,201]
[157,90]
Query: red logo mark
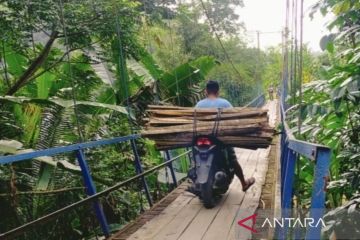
[253,218]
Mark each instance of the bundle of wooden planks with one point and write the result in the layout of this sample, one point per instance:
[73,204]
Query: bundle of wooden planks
[174,127]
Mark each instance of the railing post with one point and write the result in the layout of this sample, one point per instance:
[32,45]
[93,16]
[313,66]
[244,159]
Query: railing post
[189,155]
[287,187]
[321,175]
[172,172]
[139,170]
[284,92]
[282,164]
[91,190]
[283,159]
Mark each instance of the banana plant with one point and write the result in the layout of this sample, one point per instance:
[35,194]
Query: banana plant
[179,86]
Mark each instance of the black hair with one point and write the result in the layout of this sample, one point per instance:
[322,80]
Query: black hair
[212,87]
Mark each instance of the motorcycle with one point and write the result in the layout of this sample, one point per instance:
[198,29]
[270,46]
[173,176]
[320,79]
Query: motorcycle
[211,172]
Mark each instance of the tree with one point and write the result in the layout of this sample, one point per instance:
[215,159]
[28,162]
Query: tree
[223,16]
[82,23]
[331,110]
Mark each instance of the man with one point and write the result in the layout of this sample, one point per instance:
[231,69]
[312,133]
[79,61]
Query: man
[214,101]
[271,92]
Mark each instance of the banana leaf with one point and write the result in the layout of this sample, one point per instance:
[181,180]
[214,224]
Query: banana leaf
[62,102]
[14,147]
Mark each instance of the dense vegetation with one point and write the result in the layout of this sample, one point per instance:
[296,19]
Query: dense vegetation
[330,113]
[73,71]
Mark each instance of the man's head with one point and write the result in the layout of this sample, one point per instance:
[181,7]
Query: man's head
[212,88]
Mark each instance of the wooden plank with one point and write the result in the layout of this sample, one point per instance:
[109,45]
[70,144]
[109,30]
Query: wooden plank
[222,130]
[221,225]
[133,226]
[176,226]
[249,168]
[251,199]
[201,222]
[168,107]
[150,229]
[243,155]
[225,217]
[241,127]
[192,221]
[188,227]
[236,124]
[236,194]
[190,119]
[247,132]
[168,147]
[237,145]
[230,140]
[201,111]
[272,108]
[165,107]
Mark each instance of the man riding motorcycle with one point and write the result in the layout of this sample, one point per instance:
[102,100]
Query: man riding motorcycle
[214,101]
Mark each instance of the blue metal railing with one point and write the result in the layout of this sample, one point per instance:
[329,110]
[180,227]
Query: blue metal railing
[290,148]
[259,101]
[93,195]
[88,181]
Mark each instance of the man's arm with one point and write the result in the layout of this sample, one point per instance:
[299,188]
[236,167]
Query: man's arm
[227,104]
[197,105]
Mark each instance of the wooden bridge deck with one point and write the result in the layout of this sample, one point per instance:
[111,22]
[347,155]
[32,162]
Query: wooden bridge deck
[185,218]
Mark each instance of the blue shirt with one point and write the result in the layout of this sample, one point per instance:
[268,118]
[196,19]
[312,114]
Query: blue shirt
[213,103]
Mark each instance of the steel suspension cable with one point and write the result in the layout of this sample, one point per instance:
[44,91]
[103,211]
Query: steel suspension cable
[148,47]
[296,75]
[301,63]
[4,63]
[123,70]
[256,73]
[213,29]
[295,47]
[292,84]
[173,57]
[285,48]
[73,90]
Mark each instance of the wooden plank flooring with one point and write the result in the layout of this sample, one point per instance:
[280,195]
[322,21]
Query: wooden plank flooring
[186,218]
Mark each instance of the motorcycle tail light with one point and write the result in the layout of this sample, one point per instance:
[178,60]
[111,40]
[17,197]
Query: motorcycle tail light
[203,142]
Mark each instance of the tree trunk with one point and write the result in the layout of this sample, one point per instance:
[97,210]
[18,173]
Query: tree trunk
[35,65]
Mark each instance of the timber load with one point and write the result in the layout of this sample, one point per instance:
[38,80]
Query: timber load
[174,127]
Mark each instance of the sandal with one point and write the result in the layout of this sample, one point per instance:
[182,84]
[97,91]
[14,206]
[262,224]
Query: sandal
[249,183]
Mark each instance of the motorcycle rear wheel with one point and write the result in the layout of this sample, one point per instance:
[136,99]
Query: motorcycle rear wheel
[207,194]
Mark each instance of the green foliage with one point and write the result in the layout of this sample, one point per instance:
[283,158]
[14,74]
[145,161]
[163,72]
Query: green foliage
[164,44]
[189,37]
[273,68]
[179,86]
[41,114]
[223,15]
[197,37]
[331,116]
[68,68]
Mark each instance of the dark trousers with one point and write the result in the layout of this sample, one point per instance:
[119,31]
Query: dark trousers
[235,164]
[231,156]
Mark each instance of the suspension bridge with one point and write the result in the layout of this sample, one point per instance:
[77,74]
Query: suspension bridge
[186,218]
[180,215]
